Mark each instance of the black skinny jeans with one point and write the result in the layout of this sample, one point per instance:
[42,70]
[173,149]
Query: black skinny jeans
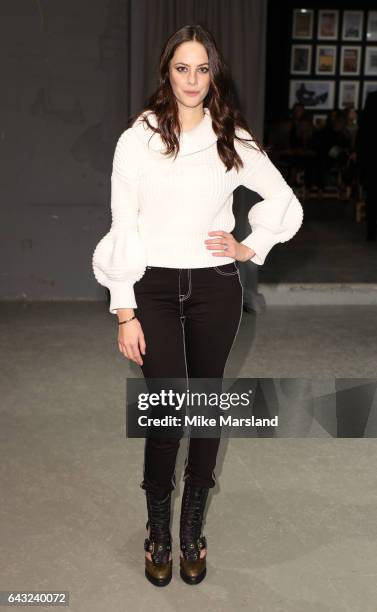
[190,318]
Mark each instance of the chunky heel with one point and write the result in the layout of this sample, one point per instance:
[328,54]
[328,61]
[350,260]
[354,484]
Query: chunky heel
[159,542]
[193,568]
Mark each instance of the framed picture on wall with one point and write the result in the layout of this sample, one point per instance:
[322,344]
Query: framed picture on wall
[325,59]
[367,88]
[302,26]
[301,59]
[352,25]
[372,26]
[327,24]
[319,120]
[312,94]
[370,62]
[350,60]
[348,94]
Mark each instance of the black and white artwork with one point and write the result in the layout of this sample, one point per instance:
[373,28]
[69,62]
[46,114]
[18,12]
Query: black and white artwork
[352,25]
[312,94]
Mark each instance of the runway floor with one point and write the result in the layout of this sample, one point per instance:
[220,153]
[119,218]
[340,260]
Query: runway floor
[291,522]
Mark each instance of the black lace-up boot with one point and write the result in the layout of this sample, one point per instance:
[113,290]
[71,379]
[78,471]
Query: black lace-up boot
[158,543]
[192,567]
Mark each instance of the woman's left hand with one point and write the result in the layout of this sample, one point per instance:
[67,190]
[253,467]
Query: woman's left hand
[227,246]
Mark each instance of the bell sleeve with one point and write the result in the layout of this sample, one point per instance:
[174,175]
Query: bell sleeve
[279,215]
[119,259]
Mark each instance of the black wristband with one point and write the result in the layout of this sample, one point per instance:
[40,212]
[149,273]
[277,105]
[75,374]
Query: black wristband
[127,320]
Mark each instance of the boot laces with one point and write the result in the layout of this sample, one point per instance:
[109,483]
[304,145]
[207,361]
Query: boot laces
[191,522]
[158,522]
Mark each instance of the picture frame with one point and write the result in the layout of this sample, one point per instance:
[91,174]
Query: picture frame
[348,94]
[302,24]
[350,56]
[371,33]
[367,87]
[301,59]
[328,23]
[313,94]
[352,27]
[370,61]
[325,59]
[319,120]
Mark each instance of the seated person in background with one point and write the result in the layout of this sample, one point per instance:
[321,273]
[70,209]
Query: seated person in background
[301,131]
[330,144]
[350,172]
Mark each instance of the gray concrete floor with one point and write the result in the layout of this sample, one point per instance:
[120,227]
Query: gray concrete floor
[290,524]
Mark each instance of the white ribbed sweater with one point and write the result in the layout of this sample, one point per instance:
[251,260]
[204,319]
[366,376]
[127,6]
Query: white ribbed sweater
[162,209]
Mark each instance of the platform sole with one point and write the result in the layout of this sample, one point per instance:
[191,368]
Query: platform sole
[193,579]
[160,582]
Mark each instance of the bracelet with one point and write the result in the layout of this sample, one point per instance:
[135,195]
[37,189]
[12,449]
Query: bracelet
[126,321]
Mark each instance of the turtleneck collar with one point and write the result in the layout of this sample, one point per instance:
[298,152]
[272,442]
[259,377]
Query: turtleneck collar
[198,138]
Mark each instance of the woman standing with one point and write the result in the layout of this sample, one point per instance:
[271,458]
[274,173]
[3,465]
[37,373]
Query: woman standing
[169,261]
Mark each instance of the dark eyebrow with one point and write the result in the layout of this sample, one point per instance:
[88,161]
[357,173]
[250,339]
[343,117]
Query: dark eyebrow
[204,63]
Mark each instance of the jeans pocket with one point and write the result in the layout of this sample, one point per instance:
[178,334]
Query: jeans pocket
[230,269]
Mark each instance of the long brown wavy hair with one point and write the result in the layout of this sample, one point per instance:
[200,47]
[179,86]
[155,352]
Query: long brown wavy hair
[219,100]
